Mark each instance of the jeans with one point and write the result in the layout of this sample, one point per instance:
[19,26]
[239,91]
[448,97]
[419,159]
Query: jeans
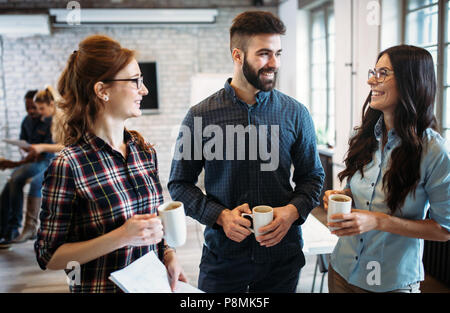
[238,275]
[12,194]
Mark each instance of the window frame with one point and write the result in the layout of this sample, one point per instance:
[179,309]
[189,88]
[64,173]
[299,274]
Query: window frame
[324,8]
[443,46]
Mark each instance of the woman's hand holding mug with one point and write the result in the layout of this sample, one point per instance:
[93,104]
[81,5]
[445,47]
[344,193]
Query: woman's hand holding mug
[328,193]
[142,230]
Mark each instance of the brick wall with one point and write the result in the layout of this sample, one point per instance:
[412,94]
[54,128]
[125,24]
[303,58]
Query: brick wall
[179,50]
[3,118]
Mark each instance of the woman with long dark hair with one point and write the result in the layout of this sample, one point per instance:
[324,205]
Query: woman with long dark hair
[397,170]
[100,194]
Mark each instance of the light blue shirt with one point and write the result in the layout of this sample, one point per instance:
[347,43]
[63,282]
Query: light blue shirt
[398,259]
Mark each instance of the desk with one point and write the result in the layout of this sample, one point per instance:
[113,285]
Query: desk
[317,238]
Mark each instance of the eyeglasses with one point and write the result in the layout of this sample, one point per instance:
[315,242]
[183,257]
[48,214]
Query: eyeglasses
[139,81]
[380,75]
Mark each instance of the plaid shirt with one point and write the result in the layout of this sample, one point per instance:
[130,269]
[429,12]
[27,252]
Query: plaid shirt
[90,190]
[230,183]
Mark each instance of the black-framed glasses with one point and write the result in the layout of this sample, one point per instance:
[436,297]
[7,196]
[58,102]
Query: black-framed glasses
[139,81]
[380,75]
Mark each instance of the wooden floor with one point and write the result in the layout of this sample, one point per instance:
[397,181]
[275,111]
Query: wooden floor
[19,271]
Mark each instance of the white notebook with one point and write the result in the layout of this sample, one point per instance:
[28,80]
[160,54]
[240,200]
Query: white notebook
[148,275]
[20,143]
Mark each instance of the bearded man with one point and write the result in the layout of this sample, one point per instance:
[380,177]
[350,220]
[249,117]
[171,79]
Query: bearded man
[233,259]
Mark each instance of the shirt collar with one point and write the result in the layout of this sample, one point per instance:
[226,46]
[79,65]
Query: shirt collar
[230,91]
[97,143]
[378,130]
[260,97]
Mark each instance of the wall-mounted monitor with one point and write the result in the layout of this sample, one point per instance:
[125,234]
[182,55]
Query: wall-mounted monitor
[150,103]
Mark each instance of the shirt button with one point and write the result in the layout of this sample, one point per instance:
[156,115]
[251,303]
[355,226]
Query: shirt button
[373,184]
[356,257]
[367,203]
[361,240]
[388,147]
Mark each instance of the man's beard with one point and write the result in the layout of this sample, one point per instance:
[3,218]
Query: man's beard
[253,77]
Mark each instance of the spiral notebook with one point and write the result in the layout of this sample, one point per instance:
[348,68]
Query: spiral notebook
[148,275]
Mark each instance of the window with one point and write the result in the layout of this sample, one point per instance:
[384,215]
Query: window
[426,26]
[322,73]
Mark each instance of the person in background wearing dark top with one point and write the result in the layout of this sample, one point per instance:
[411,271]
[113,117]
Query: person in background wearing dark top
[232,260]
[32,118]
[45,101]
[101,192]
[34,130]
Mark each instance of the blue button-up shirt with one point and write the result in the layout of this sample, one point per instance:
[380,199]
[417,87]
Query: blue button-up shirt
[236,173]
[381,261]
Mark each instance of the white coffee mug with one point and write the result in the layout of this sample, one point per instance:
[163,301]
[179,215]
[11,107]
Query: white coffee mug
[173,219]
[261,216]
[338,204]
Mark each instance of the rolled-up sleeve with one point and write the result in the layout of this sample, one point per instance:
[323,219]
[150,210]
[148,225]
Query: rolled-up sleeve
[437,183]
[58,198]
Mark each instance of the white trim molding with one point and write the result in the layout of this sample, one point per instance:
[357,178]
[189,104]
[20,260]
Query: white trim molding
[70,17]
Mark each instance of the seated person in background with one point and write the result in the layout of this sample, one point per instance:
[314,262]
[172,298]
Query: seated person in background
[398,169]
[33,130]
[42,149]
[26,130]
[46,105]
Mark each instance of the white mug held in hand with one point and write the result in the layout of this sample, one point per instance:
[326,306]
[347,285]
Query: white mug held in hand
[262,215]
[338,204]
[173,219]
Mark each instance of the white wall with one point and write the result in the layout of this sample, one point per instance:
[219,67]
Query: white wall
[391,12]
[357,47]
[303,57]
[363,29]
[376,26]
[287,76]
[343,82]
[357,41]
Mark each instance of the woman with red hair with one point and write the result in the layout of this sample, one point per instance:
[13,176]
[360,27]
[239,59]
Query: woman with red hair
[101,193]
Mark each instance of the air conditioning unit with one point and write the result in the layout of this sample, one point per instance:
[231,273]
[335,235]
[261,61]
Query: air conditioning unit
[76,17]
[23,25]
